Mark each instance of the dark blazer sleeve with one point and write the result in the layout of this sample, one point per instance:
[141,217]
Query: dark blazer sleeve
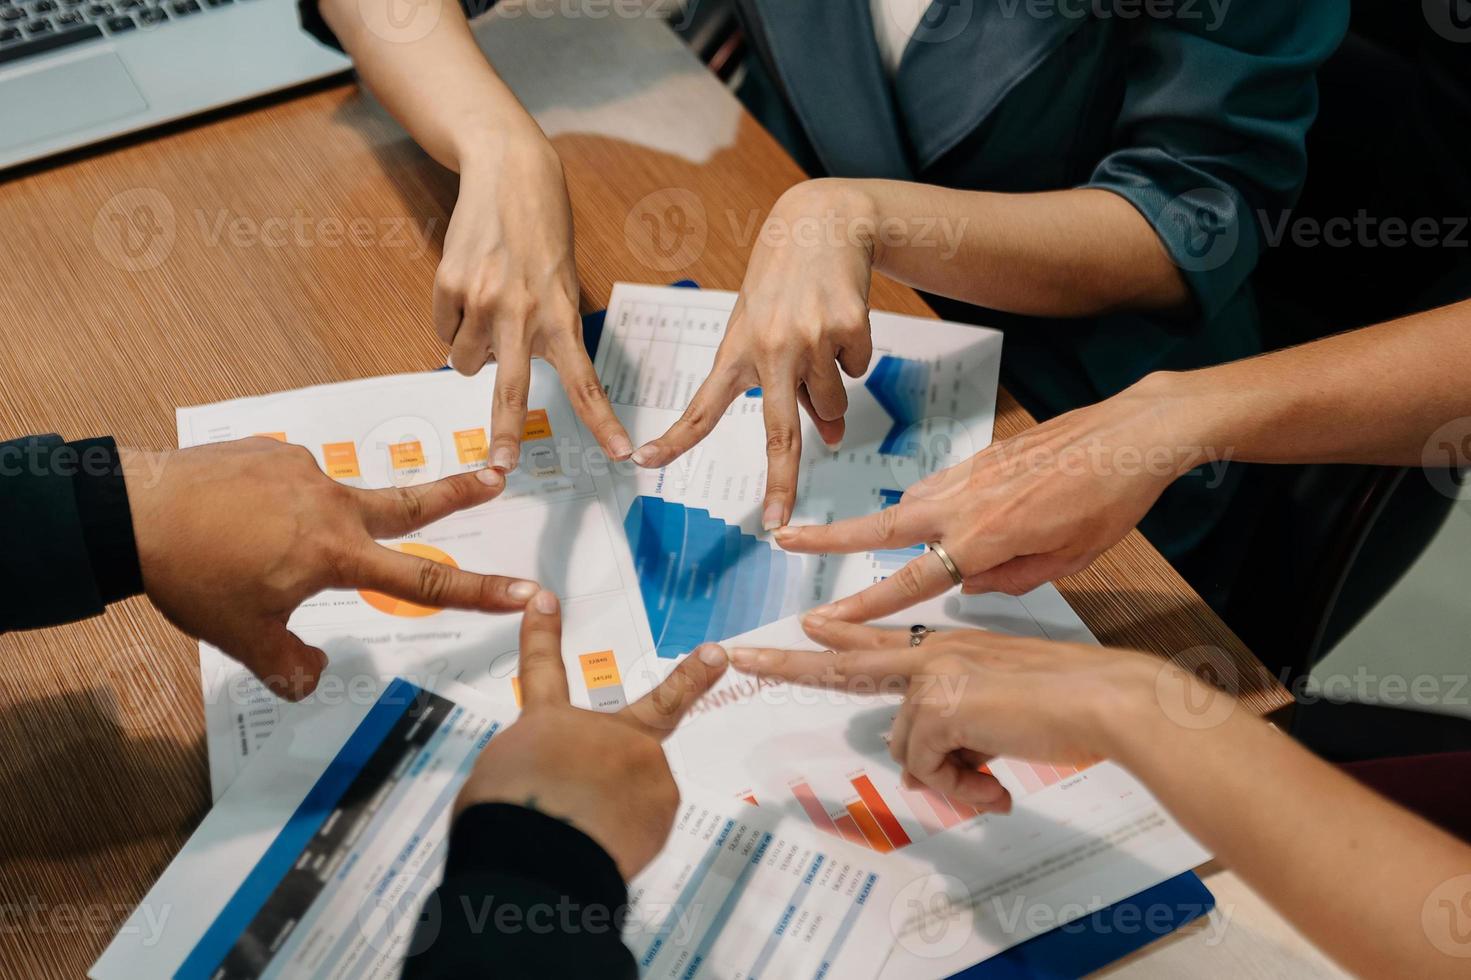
[69,547]
[524,895]
[1213,127]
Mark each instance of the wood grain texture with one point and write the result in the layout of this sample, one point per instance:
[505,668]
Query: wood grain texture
[102,765]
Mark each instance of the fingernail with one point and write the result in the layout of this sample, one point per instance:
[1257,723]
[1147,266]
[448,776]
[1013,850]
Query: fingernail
[620,447]
[815,622]
[833,446]
[523,590]
[491,478]
[712,655]
[545,602]
[644,455]
[785,534]
[773,517]
[742,657]
[504,459]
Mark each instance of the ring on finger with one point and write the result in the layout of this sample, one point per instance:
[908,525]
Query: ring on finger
[949,563]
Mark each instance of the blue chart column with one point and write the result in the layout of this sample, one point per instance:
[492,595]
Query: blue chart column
[701,578]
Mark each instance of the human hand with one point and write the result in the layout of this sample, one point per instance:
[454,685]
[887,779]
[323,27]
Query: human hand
[802,314]
[972,695]
[233,536]
[1024,511]
[606,774]
[507,291]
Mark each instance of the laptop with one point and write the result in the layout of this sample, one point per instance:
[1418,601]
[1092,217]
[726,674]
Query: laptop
[75,72]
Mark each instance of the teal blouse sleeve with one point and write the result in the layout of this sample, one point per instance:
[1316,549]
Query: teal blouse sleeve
[1211,134]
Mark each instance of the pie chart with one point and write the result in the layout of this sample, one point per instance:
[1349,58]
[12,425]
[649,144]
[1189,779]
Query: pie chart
[402,607]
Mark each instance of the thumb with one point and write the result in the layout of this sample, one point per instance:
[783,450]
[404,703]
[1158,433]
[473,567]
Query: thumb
[286,665]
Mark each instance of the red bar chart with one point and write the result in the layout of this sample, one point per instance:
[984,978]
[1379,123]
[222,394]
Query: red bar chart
[882,820]
[1037,776]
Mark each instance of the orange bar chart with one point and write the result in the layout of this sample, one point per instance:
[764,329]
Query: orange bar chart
[882,815]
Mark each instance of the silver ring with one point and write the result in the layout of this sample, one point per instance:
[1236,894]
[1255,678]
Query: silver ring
[948,562]
[917,634]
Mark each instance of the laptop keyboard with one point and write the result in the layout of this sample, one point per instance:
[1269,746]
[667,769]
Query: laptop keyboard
[35,27]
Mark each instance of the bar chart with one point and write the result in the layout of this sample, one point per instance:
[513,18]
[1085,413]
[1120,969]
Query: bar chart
[702,579]
[1037,776]
[876,820]
[901,387]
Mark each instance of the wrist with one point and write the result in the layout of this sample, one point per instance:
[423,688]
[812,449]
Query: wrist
[489,148]
[1184,417]
[846,213]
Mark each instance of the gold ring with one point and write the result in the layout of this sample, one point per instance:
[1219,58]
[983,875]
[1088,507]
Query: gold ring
[948,562]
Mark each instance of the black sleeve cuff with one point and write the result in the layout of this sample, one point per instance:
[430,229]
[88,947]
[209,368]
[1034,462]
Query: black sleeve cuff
[564,859]
[107,521]
[309,12]
[524,895]
[68,533]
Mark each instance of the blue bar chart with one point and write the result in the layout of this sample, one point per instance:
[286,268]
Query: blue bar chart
[890,560]
[901,387]
[703,579]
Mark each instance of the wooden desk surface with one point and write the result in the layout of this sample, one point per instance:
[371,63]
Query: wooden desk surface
[295,245]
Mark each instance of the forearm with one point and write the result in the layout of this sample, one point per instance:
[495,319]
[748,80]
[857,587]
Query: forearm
[1066,253]
[1349,869]
[1375,395]
[439,86]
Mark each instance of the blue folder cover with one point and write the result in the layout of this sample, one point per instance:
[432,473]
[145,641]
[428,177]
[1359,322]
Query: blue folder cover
[1111,933]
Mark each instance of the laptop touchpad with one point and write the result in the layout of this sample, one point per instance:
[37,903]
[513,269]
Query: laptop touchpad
[70,96]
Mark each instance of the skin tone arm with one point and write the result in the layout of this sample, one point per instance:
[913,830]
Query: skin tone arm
[973,695]
[803,309]
[506,289]
[1045,504]
[233,536]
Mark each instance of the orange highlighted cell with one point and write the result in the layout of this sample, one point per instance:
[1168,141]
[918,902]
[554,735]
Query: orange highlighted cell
[278,436]
[538,426]
[471,447]
[406,455]
[341,459]
[599,669]
[402,607]
[516,689]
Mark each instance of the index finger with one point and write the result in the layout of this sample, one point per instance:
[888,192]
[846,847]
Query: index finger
[543,674]
[905,523]
[395,511]
[859,671]
[923,578]
[588,398]
[704,412]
